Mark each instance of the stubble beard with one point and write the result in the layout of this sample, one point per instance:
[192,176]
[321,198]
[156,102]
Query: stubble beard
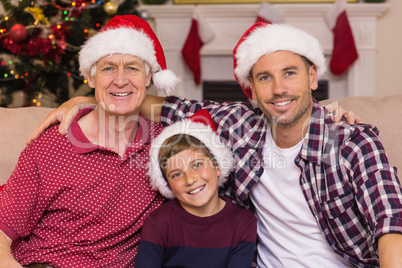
[301,112]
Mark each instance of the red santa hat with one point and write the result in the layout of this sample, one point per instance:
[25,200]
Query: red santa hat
[129,34]
[262,39]
[201,127]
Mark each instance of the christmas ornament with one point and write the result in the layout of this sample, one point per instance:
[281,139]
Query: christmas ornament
[37,13]
[143,14]
[110,8]
[18,33]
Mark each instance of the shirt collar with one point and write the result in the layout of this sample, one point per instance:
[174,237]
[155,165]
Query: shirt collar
[82,145]
[312,148]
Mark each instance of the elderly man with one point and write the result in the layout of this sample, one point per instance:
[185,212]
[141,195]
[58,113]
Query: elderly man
[80,200]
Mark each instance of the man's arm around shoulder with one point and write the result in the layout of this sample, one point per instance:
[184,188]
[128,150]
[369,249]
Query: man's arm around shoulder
[6,258]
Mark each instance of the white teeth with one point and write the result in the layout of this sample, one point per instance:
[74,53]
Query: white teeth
[282,103]
[120,94]
[197,190]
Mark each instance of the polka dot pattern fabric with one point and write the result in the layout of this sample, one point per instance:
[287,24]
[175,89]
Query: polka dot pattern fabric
[69,203]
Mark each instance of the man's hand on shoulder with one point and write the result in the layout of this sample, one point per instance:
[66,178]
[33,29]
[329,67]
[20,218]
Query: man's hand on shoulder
[339,112]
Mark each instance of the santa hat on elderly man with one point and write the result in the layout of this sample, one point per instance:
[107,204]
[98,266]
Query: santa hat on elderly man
[202,127]
[129,34]
[263,38]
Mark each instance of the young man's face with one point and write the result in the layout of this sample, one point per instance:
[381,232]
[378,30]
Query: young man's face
[120,84]
[282,83]
[193,179]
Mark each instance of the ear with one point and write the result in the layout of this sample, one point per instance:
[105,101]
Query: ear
[91,82]
[313,78]
[148,79]
[218,172]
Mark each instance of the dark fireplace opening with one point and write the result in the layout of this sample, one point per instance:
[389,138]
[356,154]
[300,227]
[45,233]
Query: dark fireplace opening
[222,91]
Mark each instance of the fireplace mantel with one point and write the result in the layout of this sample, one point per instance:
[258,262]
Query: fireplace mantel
[171,24]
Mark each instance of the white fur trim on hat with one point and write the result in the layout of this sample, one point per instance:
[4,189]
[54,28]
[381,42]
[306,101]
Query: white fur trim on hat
[276,37]
[202,132]
[122,41]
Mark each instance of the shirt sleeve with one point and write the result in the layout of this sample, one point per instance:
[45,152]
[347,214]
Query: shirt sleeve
[378,189]
[243,254]
[175,109]
[18,198]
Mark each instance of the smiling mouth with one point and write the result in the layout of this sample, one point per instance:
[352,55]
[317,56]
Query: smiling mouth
[283,103]
[196,190]
[121,94]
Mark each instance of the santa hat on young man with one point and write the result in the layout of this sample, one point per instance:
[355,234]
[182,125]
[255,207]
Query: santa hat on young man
[262,39]
[129,34]
[202,127]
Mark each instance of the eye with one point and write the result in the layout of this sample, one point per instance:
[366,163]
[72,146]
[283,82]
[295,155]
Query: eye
[290,73]
[175,175]
[132,68]
[264,78]
[197,165]
[107,68]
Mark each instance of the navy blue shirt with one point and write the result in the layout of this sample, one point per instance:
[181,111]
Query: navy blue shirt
[172,237]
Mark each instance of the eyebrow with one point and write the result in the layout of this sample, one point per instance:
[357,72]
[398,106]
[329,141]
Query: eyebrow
[284,70]
[114,62]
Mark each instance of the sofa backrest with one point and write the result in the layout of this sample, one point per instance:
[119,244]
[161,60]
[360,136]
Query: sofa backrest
[16,124]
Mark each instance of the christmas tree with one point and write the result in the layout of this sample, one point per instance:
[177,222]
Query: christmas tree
[39,45]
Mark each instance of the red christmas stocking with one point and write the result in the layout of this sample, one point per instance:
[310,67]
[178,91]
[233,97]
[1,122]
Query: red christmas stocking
[344,53]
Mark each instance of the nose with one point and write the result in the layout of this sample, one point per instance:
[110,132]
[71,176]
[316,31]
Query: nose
[121,78]
[191,178]
[279,87]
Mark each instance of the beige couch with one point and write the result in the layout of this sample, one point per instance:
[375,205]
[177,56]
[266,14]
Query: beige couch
[386,113]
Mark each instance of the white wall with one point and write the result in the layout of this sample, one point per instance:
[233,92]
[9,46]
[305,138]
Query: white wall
[389,53]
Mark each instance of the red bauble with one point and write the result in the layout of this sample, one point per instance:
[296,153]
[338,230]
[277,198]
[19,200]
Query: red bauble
[18,33]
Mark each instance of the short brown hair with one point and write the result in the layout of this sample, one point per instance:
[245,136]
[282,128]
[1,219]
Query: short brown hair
[179,143]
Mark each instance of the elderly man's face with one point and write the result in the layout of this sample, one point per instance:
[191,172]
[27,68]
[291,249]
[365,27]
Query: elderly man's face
[120,84]
[282,83]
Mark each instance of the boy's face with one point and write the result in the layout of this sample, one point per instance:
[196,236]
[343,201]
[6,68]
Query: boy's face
[194,181]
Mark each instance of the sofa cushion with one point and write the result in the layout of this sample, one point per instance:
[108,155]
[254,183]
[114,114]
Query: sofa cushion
[16,125]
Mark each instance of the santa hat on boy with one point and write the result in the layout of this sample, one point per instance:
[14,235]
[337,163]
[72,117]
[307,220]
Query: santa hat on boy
[262,39]
[202,127]
[129,34]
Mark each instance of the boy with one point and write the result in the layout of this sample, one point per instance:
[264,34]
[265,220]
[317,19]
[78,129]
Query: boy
[197,228]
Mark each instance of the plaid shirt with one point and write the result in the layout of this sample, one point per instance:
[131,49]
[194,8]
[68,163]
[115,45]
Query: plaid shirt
[347,180]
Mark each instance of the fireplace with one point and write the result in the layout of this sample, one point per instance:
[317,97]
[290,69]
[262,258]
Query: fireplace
[171,24]
[222,91]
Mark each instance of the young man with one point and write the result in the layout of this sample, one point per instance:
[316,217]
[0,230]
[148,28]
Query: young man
[80,200]
[324,193]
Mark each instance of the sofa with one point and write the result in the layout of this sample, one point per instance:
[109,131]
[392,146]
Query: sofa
[384,112]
